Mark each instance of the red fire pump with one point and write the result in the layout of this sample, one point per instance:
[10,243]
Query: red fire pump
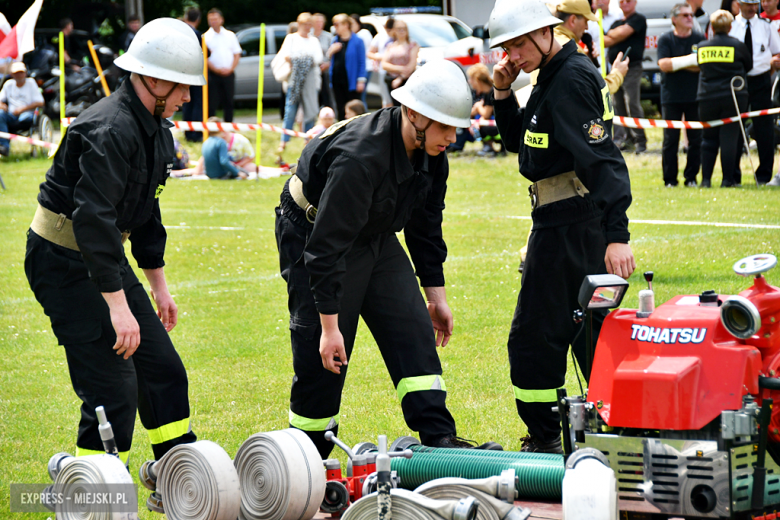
[680,398]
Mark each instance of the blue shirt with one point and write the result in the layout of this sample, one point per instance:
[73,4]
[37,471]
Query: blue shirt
[217,160]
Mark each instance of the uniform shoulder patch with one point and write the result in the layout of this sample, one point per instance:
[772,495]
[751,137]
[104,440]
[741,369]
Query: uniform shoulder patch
[595,131]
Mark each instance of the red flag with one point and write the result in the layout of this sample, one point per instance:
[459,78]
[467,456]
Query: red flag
[5,27]
[21,39]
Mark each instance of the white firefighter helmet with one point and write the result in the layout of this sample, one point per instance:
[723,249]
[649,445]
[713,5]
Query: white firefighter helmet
[512,18]
[166,49]
[439,91]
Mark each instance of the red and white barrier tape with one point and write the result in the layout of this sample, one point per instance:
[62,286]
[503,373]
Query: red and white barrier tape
[197,126]
[36,142]
[634,122]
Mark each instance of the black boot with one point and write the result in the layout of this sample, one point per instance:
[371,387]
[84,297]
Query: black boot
[532,444]
[453,441]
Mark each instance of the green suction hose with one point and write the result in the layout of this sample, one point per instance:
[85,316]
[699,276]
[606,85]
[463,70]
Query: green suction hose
[539,475]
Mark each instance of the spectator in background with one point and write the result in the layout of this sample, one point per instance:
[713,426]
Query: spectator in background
[193,111]
[763,42]
[700,17]
[19,98]
[347,64]
[375,52]
[324,37]
[629,32]
[771,13]
[133,24]
[365,36]
[354,108]
[224,53]
[326,119]
[679,83]
[400,58]
[305,55]
[481,88]
[292,28]
[607,19]
[216,157]
[730,58]
[71,60]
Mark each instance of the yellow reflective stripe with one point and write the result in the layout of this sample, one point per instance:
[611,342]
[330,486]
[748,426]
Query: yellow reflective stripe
[536,396]
[169,431]
[81,452]
[313,425]
[419,384]
[609,109]
[535,140]
[716,55]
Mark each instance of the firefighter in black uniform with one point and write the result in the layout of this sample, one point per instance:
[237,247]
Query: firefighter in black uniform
[104,184]
[355,187]
[580,196]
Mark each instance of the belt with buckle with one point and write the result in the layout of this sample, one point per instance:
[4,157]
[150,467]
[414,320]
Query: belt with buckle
[57,228]
[296,190]
[563,186]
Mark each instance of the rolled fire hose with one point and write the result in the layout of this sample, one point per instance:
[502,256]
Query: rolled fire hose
[198,482]
[74,473]
[539,475]
[408,505]
[281,476]
[495,494]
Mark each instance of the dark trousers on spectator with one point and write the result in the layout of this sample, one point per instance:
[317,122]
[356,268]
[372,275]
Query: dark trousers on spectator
[221,90]
[343,95]
[325,98]
[193,111]
[675,111]
[725,137]
[760,98]
[628,103]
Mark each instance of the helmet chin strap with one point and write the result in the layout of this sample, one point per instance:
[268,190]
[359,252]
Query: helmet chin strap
[544,55]
[159,103]
[420,137]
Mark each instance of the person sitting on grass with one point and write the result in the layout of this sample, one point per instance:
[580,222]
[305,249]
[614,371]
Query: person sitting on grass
[481,87]
[325,120]
[238,155]
[354,108]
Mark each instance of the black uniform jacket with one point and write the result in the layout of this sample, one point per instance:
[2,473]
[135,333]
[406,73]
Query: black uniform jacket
[567,126]
[107,176]
[359,177]
[721,58]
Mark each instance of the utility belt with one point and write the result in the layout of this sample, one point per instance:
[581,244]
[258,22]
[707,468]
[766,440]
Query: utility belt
[562,186]
[296,191]
[57,228]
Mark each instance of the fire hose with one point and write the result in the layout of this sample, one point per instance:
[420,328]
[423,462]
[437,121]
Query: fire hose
[74,475]
[539,475]
[408,505]
[488,491]
[198,482]
[281,476]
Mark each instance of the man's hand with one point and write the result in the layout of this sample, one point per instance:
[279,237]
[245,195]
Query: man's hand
[332,351]
[325,65]
[128,333]
[775,61]
[167,310]
[621,65]
[505,73]
[441,315]
[361,86]
[620,260]
[336,47]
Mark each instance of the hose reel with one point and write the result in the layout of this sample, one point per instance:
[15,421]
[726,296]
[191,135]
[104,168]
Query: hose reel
[281,476]
[408,505]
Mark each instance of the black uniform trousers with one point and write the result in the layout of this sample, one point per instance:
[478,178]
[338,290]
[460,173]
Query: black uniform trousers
[380,286]
[542,328]
[221,92]
[760,98]
[153,380]
[675,111]
[193,111]
[727,138]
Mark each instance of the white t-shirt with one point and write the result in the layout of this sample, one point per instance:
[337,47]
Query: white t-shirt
[223,45]
[766,42]
[16,97]
[296,45]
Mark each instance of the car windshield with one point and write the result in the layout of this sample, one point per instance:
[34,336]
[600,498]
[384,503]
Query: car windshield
[433,32]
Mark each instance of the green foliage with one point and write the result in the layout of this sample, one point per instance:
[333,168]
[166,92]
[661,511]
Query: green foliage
[222,268]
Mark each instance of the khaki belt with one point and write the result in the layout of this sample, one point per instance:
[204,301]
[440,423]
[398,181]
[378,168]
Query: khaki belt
[562,186]
[296,190]
[58,229]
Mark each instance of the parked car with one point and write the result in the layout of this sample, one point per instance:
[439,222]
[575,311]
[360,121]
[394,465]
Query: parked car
[247,69]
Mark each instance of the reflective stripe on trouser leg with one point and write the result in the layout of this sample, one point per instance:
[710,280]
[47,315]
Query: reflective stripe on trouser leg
[81,452]
[170,431]
[536,396]
[317,425]
[419,384]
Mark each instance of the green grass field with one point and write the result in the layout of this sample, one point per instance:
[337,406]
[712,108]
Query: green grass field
[222,268]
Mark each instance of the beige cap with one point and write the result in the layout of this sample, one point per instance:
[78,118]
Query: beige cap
[18,67]
[581,7]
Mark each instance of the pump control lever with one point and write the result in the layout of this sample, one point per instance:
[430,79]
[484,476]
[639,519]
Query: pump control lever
[329,436]
[649,279]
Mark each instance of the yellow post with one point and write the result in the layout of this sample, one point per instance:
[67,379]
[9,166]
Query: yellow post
[98,68]
[205,87]
[62,78]
[260,78]
[601,45]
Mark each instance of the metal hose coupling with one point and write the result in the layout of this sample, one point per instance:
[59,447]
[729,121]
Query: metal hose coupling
[198,482]
[91,473]
[408,505]
[281,476]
